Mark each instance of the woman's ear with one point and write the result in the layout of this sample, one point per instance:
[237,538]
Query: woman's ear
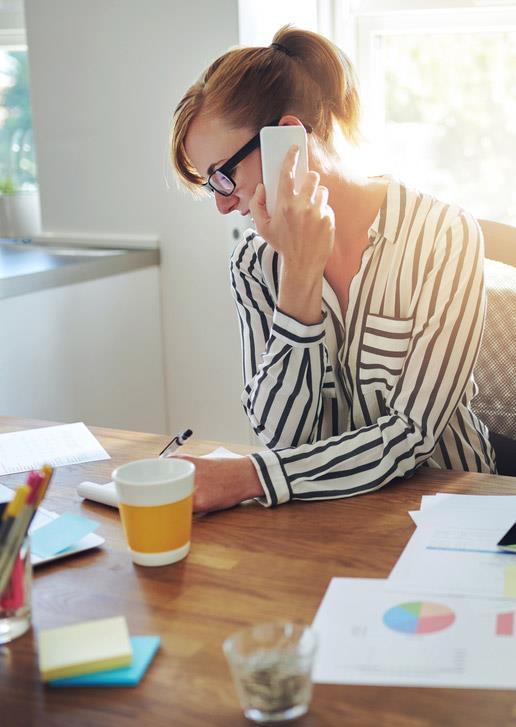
[290,120]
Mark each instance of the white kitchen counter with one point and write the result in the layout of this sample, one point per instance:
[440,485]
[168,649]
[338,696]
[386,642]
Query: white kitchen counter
[28,267]
[82,335]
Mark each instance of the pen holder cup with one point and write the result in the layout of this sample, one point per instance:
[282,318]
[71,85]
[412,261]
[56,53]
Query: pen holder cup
[16,598]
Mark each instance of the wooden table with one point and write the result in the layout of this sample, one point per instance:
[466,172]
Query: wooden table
[247,564]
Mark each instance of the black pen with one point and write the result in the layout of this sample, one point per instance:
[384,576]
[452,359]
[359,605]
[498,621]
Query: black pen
[178,440]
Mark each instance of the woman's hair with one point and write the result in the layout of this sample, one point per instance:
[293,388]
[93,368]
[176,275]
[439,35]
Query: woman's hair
[301,73]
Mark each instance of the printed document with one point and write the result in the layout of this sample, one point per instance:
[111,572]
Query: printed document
[454,551]
[370,635]
[56,446]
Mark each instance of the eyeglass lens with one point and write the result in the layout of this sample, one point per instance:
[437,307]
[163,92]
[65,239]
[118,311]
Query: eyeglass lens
[221,183]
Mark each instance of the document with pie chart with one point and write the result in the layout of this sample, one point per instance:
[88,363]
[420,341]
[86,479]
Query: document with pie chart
[370,634]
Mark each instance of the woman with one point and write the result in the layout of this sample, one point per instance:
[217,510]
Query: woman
[361,302]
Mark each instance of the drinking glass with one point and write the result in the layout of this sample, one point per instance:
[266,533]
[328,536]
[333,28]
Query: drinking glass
[271,665]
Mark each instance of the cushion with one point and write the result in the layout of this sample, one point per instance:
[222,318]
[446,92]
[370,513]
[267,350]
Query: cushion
[495,371]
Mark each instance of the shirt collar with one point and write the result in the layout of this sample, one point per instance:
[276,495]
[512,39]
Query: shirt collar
[387,219]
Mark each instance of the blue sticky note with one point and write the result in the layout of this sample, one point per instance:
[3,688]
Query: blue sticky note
[61,533]
[144,649]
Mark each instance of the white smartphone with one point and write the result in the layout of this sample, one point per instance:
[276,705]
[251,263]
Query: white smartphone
[275,141]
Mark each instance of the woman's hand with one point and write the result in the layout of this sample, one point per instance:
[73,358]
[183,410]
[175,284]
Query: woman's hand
[302,231]
[222,483]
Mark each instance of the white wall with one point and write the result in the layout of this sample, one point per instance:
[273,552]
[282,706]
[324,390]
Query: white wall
[258,21]
[105,77]
[11,15]
[88,352]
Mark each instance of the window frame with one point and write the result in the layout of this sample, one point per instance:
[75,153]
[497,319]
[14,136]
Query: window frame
[13,39]
[357,25]
[358,29]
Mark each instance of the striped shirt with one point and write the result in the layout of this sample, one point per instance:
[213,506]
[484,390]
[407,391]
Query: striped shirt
[346,406]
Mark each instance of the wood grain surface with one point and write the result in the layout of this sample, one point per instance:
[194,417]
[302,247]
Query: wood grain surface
[247,564]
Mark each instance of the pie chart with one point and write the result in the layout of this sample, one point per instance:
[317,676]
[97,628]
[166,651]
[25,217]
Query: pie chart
[418,617]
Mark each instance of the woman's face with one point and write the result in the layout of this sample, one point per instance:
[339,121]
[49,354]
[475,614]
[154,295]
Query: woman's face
[209,143]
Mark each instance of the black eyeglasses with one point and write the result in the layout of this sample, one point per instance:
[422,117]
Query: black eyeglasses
[220,180]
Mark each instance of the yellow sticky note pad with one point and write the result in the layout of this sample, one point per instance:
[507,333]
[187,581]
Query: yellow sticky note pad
[509,584]
[84,648]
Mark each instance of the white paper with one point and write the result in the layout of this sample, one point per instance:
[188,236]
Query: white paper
[56,446]
[444,503]
[440,504]
[6,494]
[457,573]
[454,548]
[222,453]
[357,647]
[105,494]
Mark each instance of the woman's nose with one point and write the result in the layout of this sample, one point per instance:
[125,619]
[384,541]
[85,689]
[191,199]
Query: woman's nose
[225,204]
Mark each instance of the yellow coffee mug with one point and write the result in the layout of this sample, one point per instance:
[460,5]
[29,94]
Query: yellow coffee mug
[155,503]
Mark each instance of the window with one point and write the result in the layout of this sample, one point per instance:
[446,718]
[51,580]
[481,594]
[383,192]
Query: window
[439,97]
[17,157]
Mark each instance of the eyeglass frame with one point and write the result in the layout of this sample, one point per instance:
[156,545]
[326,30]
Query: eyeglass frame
[228,167]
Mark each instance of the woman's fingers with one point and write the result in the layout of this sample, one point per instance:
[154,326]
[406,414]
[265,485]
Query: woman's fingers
[326,212]
[288,173]
[309,186]
[302,228]
[330,216]
[321,197]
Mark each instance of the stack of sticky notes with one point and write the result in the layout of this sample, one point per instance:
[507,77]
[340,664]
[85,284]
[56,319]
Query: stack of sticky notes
[94,653]
[56,535]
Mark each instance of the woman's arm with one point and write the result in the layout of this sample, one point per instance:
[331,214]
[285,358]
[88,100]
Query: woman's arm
[302,231]
[284,361]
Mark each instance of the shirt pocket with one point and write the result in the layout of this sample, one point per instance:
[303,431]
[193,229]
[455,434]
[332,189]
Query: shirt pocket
[384,348]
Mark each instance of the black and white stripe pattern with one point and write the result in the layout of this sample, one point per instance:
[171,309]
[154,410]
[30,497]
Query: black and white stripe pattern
[346,406]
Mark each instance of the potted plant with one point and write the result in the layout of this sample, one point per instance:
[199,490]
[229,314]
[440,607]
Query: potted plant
[19,210]
[19,195]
